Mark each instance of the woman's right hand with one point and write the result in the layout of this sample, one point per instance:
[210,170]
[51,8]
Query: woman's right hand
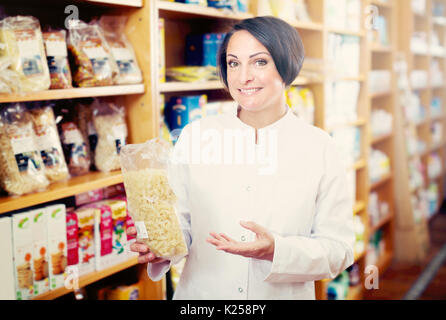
[145,255]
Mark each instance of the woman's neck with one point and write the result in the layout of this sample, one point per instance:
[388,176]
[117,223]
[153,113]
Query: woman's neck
[262,119]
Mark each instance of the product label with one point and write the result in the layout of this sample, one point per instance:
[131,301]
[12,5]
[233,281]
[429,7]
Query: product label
[29,51]
[141,230]
[56,48]
[25,154]
[124,60]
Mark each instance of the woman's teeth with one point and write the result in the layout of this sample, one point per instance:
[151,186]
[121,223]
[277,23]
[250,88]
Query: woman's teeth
[249,91]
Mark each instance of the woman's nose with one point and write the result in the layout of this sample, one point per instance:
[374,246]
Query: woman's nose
[246,75]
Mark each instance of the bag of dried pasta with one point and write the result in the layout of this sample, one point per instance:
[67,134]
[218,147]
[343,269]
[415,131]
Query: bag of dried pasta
[151,201]
[111,128]
[48,141]
[9,80]
[92,60]
[73,143]
[21,167]
[86,125]
[57,57]
[22,41]
[121,49]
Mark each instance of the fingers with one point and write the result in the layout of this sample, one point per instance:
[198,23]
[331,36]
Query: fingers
[252,226]
[149,258]
[139,247]
[131,231]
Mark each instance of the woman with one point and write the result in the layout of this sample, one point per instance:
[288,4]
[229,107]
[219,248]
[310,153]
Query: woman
[267,216]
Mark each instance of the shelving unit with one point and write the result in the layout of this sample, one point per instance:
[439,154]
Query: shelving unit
[141,122]
[412,230]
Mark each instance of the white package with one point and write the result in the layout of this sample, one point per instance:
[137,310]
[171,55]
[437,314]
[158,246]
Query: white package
[7,288]
[57,245]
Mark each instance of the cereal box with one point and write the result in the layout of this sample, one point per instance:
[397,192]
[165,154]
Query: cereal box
[40,251]
[57,245]
[23,252]
[89,197]
[72,239]
[119,217]
[103,228]
[7,288]
[128,224]
[85,220]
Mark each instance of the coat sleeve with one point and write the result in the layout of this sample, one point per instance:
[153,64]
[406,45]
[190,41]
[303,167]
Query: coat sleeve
[177,173]
[329,248]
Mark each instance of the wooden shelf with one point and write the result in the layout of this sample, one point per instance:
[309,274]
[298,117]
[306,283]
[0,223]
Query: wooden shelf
[59,190]
[176,10]
[346,32]
[381,223]
[356,123]
[190,86]
[358,207]
[376,95]
[382,181]
[126,3]
[312,26]
[359,256]
[382,138]
[384,262]
[74,93]
[88,279]
[360,164]
[382,4]
[377,48]
[355,293]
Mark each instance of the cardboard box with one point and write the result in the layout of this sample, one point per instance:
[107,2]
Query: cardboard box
[86,240]
[57,245]
[40,251]
[23,252]
[72,239]
[128,223]
[7,288]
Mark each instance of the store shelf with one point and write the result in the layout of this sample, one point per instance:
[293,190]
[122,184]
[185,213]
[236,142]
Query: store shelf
[381,223]
[381,94]
[346,32]
[355,293]
[358,207]
[380,49]
[360,164]
[359,256]
[382,181]
[189,86]
[88,279]
[381,138]
[59,190]
[176,10]
[307,25]
[356,123]
[384,261]
[126,3]
[74,93]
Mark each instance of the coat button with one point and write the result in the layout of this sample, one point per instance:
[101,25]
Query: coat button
[248,188]
[240,290]
[243,238]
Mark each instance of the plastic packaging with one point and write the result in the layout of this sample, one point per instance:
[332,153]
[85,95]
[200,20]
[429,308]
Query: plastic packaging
[9,80]
[93,61]
[21,166]
[121,49]
[48,142]
[111,128]
[22,41]
[86,125]
[57,57]
[151,201]
[73,143]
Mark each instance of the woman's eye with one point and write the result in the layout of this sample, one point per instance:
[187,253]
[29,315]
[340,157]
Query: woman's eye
[232,64]
[261,63]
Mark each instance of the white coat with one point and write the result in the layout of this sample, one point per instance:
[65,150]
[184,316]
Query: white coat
[297,190]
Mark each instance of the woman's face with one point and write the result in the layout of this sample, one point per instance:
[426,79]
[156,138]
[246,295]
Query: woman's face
[253,80]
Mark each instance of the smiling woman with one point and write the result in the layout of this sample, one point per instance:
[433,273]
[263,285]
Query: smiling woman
[258,234]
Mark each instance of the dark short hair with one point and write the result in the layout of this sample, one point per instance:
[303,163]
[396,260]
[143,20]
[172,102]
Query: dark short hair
[282,41]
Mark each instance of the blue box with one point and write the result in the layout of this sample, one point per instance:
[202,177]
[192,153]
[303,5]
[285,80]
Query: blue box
[180,111]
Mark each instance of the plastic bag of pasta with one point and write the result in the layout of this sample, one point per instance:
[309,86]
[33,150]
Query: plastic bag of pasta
[92,60]
[57,57]
[21,167]
[86,125]
[47,140]
[121,49]
[9,80]
[22,41]
[73,143]
[151,201]
[111,128]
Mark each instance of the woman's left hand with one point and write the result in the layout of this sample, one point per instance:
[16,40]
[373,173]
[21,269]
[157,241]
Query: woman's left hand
[262,248]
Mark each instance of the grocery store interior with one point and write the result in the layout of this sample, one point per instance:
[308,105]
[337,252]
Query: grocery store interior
[81,79]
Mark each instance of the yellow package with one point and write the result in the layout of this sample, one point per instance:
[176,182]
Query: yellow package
[22,42]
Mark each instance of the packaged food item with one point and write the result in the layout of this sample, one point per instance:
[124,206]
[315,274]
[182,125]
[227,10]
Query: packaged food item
[9,80]
[118,209]
[151,201]
[72,239]
[103,233]
[21,166]
[22,41]
[85,218]
[92,60]
[7,278]
[73,143]
[57,58]
[57,244]
[114,191]
[23,254]
[48,141]
[110,125]
[89,197]
[86,125]
[121,49]
[40,251]
[123,292]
